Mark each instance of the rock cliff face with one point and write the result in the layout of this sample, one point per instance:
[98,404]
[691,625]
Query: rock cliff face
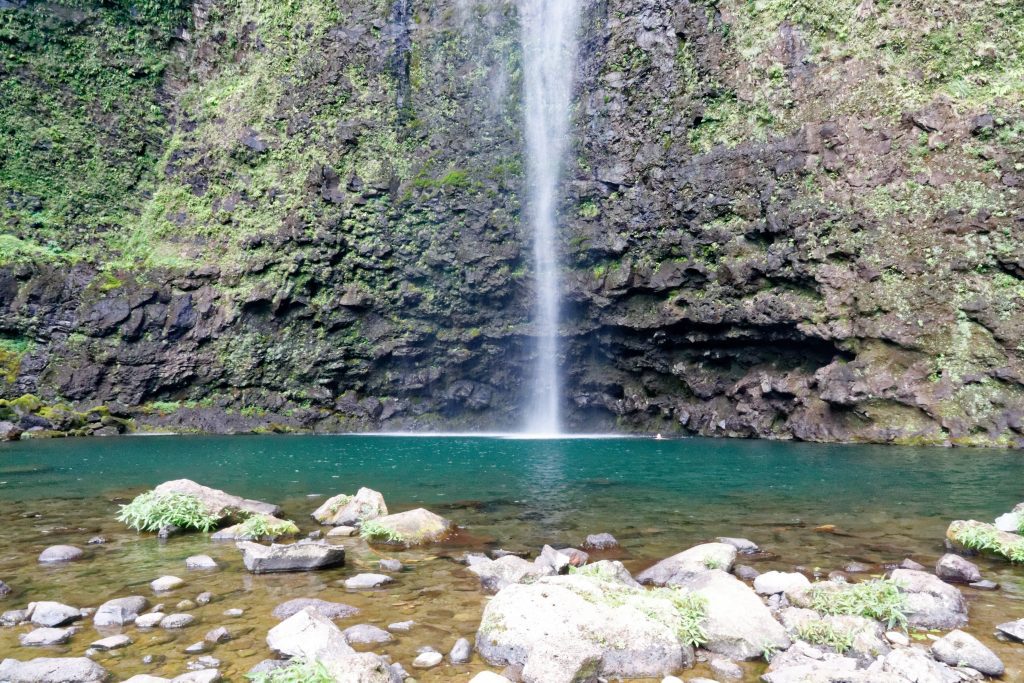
[781,220]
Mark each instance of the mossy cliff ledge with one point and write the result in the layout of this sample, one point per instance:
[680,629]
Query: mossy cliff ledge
[781,220]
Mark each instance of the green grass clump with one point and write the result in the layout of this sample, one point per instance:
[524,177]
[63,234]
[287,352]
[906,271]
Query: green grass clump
[879,599]
[259,526]
[986,538]
[298,671]
[824,633]
[374,531]
[692,609]
[152,511]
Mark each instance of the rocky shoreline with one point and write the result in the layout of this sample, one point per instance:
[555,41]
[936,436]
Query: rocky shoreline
[567,614]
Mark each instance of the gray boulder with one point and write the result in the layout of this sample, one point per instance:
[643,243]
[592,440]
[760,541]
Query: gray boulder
[60,553]
[558,629]
[954,568]
[737,624]
[330,610]
[930,603]
[496,574]
[48,613]
[600,542]
[681,567]
[957,648]
[52,670]
[46,637]
[343,510]
[914,664]
[415,527]
[366,634]
[217,503]
[742,545]
[1012,629]
[120,611]
[302,556]
[309,635]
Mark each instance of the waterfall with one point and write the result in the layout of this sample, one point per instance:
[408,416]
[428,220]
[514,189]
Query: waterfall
[549,61]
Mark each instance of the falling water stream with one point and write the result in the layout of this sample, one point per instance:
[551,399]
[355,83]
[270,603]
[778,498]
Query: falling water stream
[549,56]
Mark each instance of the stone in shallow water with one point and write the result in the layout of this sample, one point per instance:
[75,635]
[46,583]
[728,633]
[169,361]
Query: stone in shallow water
[427,660]
[725,668]
[151,620]
[217,635]
[505,571]
[343,510]
[146,678]
[200,562]
[910,564]
[112,642]
[366,634]
[60,553]
[291,557]
[166,583]
[954,568]
[603,541]
[5,590]
[401,626]
[930,603]
[742,545]
[217,503]
[1012,629]
[957,648]
[197,648]
[203,676]
[771,583]
[52,670]
[367,581]
[330,610]
[46,636]
[175,621]
[414,527]
[461,652]
[48,613]
[120,611]
[389,565]
[308,634]
[234,612]
[489,677]
[985,585]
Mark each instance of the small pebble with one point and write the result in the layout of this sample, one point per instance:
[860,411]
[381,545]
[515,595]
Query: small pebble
[204,598]
[97,540]
[185,605]
[389,565]
[427,660]
[234,612]
[217,635]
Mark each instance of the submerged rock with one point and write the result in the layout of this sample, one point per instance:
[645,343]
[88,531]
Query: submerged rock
[60,553]
[558,629]
[955,568]
[52,670]
[972,534]
[200,562]
[682,567]
[602,541]
[329,610]
[957,648]
[367,581]
[742,545]
[414,527]
[343,510]
[293,557]
[120,611]
[166,583]
[427,660]
[366,634]
[217,503]
[461,652]
[111,642]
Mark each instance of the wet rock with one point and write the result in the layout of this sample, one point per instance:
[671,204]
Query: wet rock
[427,660]
[197,648]
[737,624]
[1010,522]
[910,564]
[985,585]
[364,667]
[771,583]
[551,561]
[461,652]
[558,627]
[496,574]
[401,626]
[343,510]
[111,642]
[343,532]
[308,634]
[5,590]
[857,568]
[239,532]
[897,638]
[602,541]
[1001,543]
[176,621]
[366,634]
[44,637]
[202,676]
[166,583]
[329,610]
[217,503]
[204,598]
[957,648]
[390,565]
[97,540]
[146,678]
[204,663]
[913,664]
[265,667]
[725,668]
[200,562]
[151,620]
[802,662]
[60,553]
[745,572]
[743,546]
[52,670]
[293,557]
[956,569]
[682,567]
[48,613]
[217,635]
[865,636]
[415,527]
[185,605]
[13,617]
[1012,629]
[361,582]
[234,612]
[930,603]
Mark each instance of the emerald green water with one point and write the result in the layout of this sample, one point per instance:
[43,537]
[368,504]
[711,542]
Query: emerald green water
[656,497]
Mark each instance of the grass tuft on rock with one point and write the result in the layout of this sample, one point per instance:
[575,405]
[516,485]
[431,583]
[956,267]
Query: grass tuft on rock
[152,511]
[986,539]
[375,532]
[692,609]
[824,633]
[879,599]
[258,526]
[298,671]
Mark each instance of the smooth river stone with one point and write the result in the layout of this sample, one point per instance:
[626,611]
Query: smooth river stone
[166,583]
[48,613]
[112,642]
[330,610]
[60,553]
[46,636]
[120,611]
[367,581]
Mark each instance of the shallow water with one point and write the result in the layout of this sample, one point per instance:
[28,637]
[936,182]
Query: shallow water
[656,497]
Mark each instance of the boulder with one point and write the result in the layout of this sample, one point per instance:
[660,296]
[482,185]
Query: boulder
[309,635]
[603,541]
[46,636]
[52,670]
[329,610]
[48,613]
[804,663]
[1001,543]
[414,527]
[200,562]
[361,582]
[681,567]
[957,648]
[771,583]
[866,637]
[558,629]
[342,510]
[120,611]
[343,532]
[60,553]
[199,676]
[1011,521]
[1012,629]
[366,634]
[737,624]
[217,503]
[292,557]
[166,583]
[954,568]
[496,574]
[930,603]
[725,668]
[914,664]
[742,545]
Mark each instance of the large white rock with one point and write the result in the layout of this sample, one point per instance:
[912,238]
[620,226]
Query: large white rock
[413,527]
[738,624]
[217,503]
[563,628]
[309,635]
[52,670]
[771,583]
[681,567]
[343,510]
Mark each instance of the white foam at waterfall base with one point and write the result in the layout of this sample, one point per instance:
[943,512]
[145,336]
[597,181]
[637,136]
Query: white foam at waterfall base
[549,60]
